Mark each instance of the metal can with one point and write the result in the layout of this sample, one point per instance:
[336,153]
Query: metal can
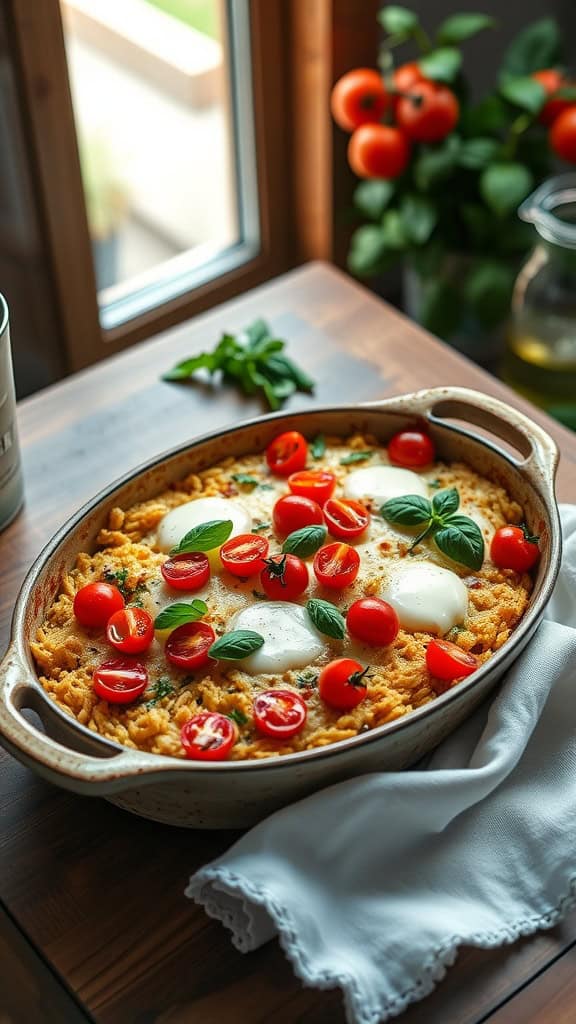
[11,482]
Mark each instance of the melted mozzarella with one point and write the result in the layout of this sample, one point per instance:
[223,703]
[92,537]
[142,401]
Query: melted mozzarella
[176,524]
[426,597]
[380,483]
[290,639]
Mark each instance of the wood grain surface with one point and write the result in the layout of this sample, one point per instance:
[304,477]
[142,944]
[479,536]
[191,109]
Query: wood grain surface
[98,893]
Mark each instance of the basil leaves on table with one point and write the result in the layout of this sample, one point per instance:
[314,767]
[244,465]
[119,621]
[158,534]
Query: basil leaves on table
[180,613]
[204,537]
[304,542]
[237,644]
[457,536]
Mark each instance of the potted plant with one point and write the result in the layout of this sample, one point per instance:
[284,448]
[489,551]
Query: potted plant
[443,175]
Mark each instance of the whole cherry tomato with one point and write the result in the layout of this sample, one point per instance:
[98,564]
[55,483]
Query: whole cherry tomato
[287,453]
[514,548]
[284,577]
[411,448]
[552,80]
[244,555]
[562,136]
[359,97]
[95,603]
[317,484]
[279,713]
[447,661]
[208,736]
[188,645]
[120,681]
[130,630]
[336,565]
[378,151]
[186,572]
[342,684]
[345,518]
[404,78]
[372,621]
[429,113]
[292,512]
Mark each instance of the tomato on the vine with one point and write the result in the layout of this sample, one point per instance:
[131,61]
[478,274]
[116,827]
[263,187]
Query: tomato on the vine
[130,630]
[208,736]
[95,603]
[513,547]
[188,645]
[287,453]
[447,661]
[336,565]
[294,511]
[186,572]
[119,681]
[284,577]
[562,136]
[359,97]
[279,713]
[378,151]
[345,517]
[244,555]
[342,684]
[317,484]
[404,78]
[552,81]
[428,113]
[372,621]
[411,448]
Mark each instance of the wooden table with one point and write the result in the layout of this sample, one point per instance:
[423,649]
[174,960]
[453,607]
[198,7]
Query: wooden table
[95,925]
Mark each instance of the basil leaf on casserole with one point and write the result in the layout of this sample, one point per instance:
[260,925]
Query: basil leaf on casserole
[205,537]
[181,612]
[237,644]
[305,541]
[326,618]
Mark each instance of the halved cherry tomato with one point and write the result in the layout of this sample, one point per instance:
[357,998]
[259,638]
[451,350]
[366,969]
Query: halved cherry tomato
[284,577]
[336,565]
[342,683]
[345,517]
[317,484]
[552,80]
[279,713]
[96,602]
[428,113]
[119,681]
[514,548]
[208,736]
[373,621]
[411,448]
[447,661]
[293,511]
[287,453]
[359,97]
[244,555]
[186,572]
[188,645]
[131,630]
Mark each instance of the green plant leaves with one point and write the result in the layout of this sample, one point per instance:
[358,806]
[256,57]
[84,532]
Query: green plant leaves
[419,216]
[459,27]
[524,92]
[237,644]
[434,164]
[304,542]
[441,310]
[398,21]
[535,47]
[352,457]
[457,536]
[367,247]
[444,503]
[371,197]
[409,510]
[205,537]
[475,154]
[180,613]
[488,290]
[441,65]
[505,185]
[326,618]
[318,446]
[462,541]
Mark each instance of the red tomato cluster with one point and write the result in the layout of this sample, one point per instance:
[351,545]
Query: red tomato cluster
[419,111]
[558,113]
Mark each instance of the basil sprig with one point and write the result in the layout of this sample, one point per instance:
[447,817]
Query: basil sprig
[245,480]
[204,537]
[305,541]
[326,618]
[353,457]
[180,613]
[457,536]
[237,644]
[318,446]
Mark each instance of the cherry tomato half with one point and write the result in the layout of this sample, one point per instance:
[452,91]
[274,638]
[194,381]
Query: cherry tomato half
[188,645]
[293,511]
[279,713]
[342,683]
[513,548]
[378,151]
[372,621]
[336,565]
[552,80]
[359,97]
[284,577]
[119,681]
[447,661]
[345,517]
[244,555]
[208,736]
[186,572]
[131,630]
[287,453]
[96,602]
[411,448]
[428,113]
[317,484]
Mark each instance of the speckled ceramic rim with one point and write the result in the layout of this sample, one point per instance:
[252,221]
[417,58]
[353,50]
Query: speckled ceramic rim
[538,466]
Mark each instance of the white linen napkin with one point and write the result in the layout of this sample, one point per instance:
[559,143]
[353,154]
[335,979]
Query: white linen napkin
[373,884]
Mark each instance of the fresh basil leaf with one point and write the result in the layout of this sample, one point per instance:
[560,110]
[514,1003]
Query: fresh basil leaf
[353,457]
[505,185]
[179,613]
[536,46]
[187,367]
[461,539]
[371,197]
[326,618]
[318,446]
[524,92]
[459,27]
[245,479]
[237,644]
[286,368]
[409,510]
[441,65]
[305,541]
[205,537]
[444,503]
[261,526]
[398,21]
[238,716]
